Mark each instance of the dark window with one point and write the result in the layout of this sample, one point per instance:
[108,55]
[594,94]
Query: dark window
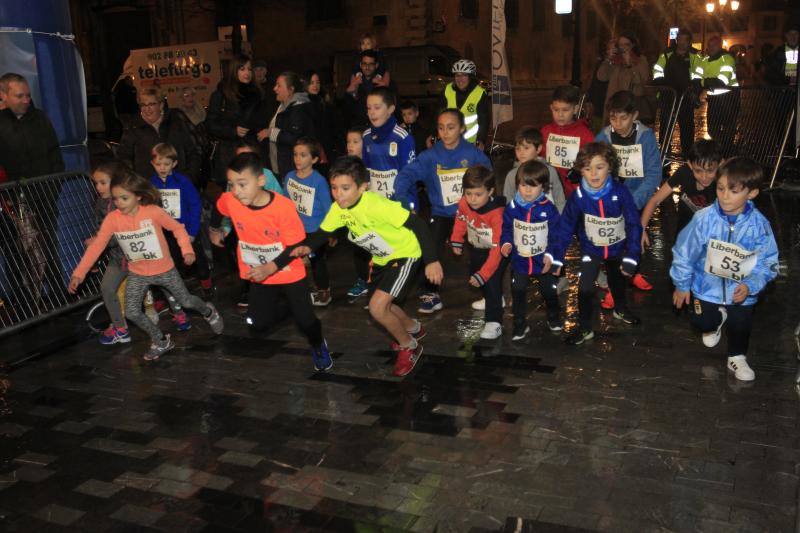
[539,15]
[468,9]
[512,14]
[324,11]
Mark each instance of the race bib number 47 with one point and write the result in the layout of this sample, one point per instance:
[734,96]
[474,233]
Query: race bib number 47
[302,196]
[530,239]
[140,245]
[451,182]
[562,150]
[259,254]
[631,164]
[729,261]
[604,231]
[382,182]
[171,202]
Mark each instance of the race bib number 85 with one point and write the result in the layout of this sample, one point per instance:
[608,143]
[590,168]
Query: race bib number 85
[729,261]
[562,150]
[604,231]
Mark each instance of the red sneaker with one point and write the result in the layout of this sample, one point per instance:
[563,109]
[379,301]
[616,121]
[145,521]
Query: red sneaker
[418,336]
[407,359]
[641,283]
[608,301]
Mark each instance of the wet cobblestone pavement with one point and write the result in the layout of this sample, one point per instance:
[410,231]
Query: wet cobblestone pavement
[640,430]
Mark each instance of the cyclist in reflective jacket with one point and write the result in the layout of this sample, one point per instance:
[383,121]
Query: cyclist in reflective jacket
[466,95]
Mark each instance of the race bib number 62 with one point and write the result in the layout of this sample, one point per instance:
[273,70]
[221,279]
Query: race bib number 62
[604,231]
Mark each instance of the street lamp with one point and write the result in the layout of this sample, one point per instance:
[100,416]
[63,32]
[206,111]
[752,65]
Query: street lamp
[711,6]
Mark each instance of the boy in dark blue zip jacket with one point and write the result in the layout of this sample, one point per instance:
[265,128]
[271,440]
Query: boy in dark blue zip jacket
[527,220]
[603,213]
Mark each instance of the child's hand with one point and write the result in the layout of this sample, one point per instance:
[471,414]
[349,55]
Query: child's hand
[332,242]
[458,251]
[740,293]
[474,281]
[546,264]
[679,298]
[262,134]
[189,259]
[241,132]
[505,250]
[434,272]
[262,272]
[74,281]
[645,239]
[300,251]
[355,81]
[216,237]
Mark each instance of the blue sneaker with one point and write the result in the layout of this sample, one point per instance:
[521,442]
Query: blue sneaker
[114,335]
[322,358]
[359,289]
[430,304]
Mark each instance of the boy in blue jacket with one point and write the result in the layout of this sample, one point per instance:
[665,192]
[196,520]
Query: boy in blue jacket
[603,213]
[527,220]
[723,259]
[640,158]
[441,169]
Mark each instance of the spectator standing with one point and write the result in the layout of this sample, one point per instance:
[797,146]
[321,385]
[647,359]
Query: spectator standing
[324,117]
[781,63]
[361,83]
[626,69]
[190,106]
[265,83]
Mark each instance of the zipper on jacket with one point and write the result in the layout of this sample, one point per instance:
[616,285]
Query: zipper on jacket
[724,281]
[530,259]
[603,215]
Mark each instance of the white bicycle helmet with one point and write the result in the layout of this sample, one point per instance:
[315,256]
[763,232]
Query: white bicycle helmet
[464,66]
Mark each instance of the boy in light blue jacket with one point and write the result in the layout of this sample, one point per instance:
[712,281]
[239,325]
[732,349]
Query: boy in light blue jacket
[723,259]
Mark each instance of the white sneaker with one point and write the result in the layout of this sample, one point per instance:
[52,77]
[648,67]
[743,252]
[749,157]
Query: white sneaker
[480,305]
[712,339]
[491,331]
[742,371]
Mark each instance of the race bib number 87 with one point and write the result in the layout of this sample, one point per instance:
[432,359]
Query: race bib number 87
[604,231]
[562,150]
[729,261]
[631,164]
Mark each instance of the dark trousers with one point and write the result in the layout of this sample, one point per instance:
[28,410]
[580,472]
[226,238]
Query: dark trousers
[201,261]
[590,266]
[723,113]
[706,317]
[270,304]
[361,260]
[519,293]
[441,229]
[492,290]
[319,267]
[685,119]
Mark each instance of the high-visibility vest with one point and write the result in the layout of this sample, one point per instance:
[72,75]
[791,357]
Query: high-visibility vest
[722,68]
[790,67]
[469,109]
[695,65]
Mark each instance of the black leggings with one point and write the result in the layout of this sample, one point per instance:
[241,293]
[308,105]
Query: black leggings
[271,303]
[590,266]
[519,294]
[319,266]
[441,228]
[706,317]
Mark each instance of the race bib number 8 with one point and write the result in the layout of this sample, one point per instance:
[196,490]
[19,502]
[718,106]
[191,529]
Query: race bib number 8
[604,231]
[140,245]
[630,161]
[373,243]
[729,261]
[562,150]
[171,202]
[479,237]
[302,196]
[530,239]
[259,254]
[451,182]
[382,182]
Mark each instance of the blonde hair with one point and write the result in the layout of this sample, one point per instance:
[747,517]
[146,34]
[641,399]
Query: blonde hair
[164,150]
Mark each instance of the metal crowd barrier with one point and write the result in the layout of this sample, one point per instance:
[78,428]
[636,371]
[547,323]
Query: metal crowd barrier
[44,222]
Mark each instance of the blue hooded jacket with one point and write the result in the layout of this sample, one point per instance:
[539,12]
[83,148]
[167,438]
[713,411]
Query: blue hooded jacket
[191,204]
[615,201]
[540,210]
[641,188]
[386,150]
[426,169]
[750,231]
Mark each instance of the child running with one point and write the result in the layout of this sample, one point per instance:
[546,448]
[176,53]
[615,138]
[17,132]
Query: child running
[603,214]
[137,226]
[442,170]
[396,239]
[309,191]
[527,220]
[723,259]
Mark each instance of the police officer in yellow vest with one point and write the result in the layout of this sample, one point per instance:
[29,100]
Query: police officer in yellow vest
[782,63]
[721,85]
[466,94]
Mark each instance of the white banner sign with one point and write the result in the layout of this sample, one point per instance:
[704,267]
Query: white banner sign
[502,108]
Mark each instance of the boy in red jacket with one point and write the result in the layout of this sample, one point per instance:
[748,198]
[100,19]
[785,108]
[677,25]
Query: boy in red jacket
[565,135]
[480,218]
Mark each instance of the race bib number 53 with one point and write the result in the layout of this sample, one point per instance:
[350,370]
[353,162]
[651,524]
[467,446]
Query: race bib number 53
[604,231]
[729,261]
[562,150]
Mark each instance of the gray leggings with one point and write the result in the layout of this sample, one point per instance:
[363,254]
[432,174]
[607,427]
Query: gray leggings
[172,282]
[113,277]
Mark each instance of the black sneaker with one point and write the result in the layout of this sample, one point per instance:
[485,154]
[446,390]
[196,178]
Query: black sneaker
[627,317]
[579,336]
[521,330]
[555,323]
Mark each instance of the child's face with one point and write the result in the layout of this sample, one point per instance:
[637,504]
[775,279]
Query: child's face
[410,116]
[346,191]
[367,44]
[704,175]
[102,183]
[732,199]
[477,197]
[246,186]
[125,200]
[622,122]
[526,151]
[529,193]
[303,160]
[377,110]
[163,166]
[563,112]
[450,130]
[355,144]
[596,172]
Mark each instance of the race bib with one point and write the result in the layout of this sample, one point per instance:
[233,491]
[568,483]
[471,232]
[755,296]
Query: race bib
[373,243]
[302,196]
[171,202]
[604,231]
[630,161]
[530,239]
[451,182]
[382,182]
[729,261]
[259,254]
[562,150]
[139,245]
[479,237]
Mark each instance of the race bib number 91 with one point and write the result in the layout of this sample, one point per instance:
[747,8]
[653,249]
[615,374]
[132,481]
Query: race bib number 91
[171,202]
[259,254]
[373,243]
[729,261]
[140,245]
[604,231]
[530,239]
[302,196]
[631,164]
[562,150]
[451,183]
[382,182]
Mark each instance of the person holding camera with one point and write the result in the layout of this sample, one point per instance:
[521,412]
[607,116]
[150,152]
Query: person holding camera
[624,68]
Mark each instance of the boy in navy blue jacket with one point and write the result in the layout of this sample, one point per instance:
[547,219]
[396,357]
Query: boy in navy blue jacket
[527,220]
[603,213]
